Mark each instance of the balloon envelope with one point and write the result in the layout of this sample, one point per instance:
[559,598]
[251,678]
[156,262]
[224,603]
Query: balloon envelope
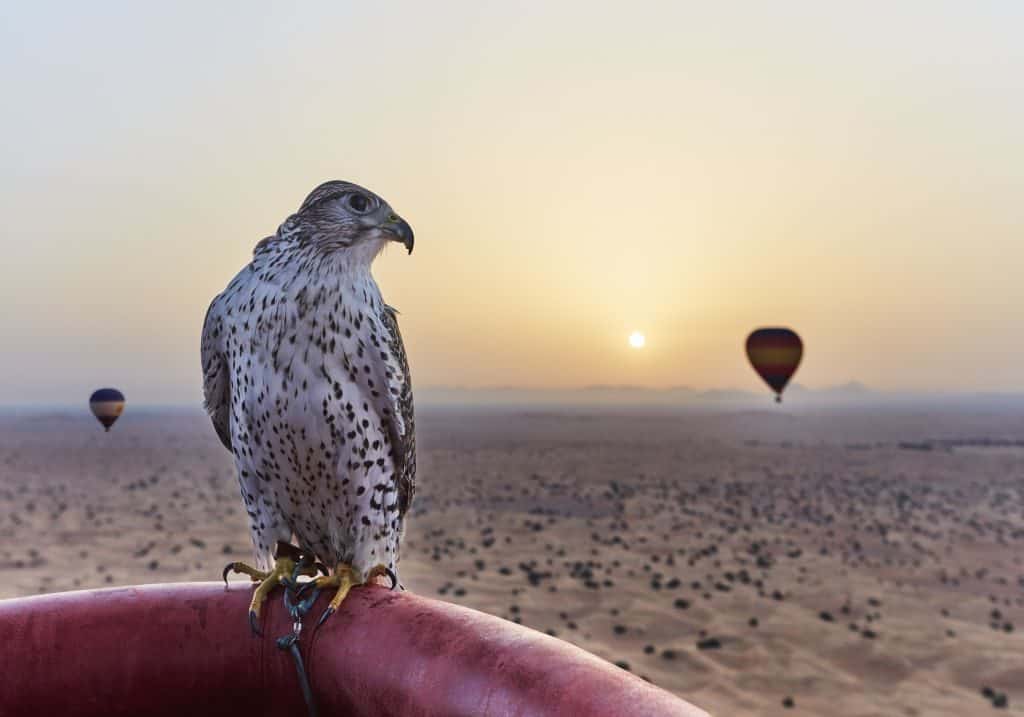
[106,405]
[775,354]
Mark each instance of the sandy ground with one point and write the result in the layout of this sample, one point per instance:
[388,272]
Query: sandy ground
[860,564]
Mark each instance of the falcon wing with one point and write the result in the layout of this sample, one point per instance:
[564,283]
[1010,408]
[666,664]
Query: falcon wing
[395,395]
[216,376]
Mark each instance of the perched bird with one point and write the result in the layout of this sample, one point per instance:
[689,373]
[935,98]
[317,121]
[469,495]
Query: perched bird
[307,384]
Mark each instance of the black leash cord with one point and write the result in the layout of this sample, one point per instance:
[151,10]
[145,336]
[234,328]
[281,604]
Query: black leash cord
[298,610]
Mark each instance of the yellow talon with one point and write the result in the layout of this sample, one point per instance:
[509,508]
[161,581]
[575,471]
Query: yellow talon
[259,595]
[285,559]
[344,578]
[382,571]
[253,573]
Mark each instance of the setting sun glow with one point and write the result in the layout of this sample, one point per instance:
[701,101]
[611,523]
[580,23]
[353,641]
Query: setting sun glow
[637,340]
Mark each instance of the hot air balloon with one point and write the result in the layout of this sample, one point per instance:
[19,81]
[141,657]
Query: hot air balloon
[106,405]
[775,353]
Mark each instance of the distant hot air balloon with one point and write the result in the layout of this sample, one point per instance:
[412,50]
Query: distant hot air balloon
[106,405]
[775,353]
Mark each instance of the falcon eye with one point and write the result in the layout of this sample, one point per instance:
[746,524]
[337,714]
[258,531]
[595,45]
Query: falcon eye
[358,202]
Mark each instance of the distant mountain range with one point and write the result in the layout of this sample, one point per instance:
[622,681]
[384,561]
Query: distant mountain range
[626,394]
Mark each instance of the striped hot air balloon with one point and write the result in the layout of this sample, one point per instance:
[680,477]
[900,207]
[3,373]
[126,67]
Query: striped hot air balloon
[775,354]
[106,405]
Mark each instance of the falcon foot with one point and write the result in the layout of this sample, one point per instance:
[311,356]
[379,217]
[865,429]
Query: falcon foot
[383,571]
[344,579]
[286,557]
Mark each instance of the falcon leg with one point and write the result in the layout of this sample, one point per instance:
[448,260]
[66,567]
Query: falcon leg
[285,559]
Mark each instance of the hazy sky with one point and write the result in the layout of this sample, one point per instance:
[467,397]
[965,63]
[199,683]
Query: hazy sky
[573,173]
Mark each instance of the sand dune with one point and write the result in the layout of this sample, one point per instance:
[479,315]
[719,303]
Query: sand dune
[851,564]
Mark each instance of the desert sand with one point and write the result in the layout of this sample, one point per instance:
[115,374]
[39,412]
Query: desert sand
[849,564]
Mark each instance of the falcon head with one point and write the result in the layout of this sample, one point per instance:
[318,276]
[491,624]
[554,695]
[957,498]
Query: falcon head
[341,216]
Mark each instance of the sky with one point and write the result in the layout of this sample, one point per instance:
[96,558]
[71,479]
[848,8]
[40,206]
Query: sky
[574,172]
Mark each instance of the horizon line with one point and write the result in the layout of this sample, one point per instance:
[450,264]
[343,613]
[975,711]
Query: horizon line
[712,396]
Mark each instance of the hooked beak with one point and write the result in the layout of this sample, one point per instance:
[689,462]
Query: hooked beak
[399,230]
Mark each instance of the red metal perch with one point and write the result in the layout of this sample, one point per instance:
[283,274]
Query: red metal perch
[186,649]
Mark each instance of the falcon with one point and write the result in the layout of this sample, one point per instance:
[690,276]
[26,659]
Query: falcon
[306,381]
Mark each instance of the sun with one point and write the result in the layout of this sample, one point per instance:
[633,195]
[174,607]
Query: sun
[637,340]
